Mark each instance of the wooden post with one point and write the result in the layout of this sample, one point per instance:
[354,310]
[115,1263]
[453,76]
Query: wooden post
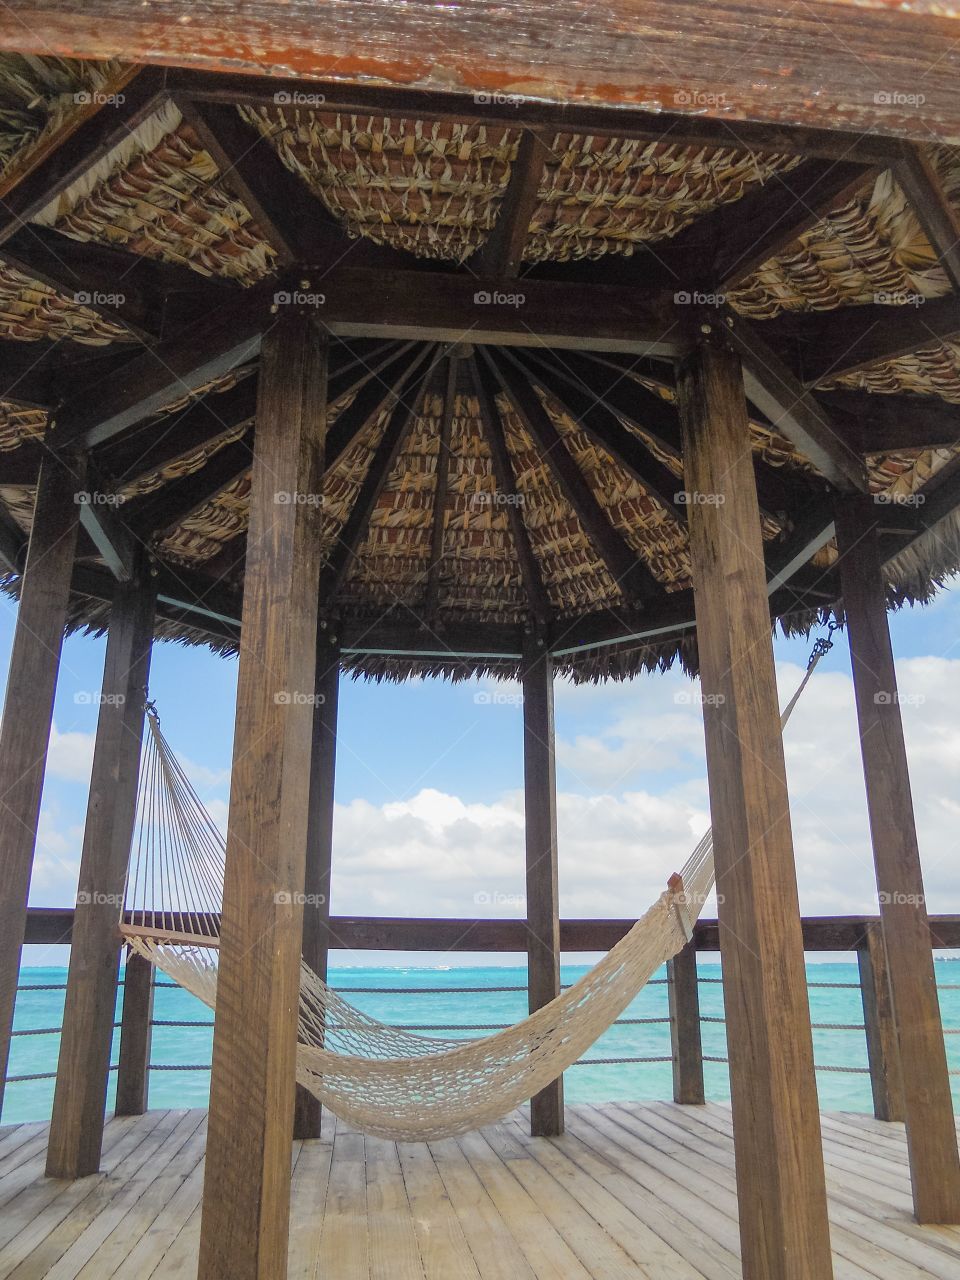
[136,1035]
[89,1011]
[246,1203]
[316,913]
[928,1107]
[687,1049]
[779,1159]
[543,904]
[28,711]
[883,1053]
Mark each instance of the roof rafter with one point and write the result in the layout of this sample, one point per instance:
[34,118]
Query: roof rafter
[432,588]
[156,513]
[88,143]
[935,213]
[408,399]
[889,423]
[502,252]
[486,387]
[831,344]
[606,430]
[627,569]
[792,410]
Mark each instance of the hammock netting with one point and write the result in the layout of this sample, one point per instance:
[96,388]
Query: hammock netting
[388,1082]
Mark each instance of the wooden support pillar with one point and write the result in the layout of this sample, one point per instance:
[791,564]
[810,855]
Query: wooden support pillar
[246,1203]
[83,1071]
[136,1035]
[543,901]
[686,1047]
[928,1107]
[883,1053]
[28,710]
[316,905]
[779,1159]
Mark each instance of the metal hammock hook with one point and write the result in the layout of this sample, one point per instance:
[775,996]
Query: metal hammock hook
[823,644]
[150,709]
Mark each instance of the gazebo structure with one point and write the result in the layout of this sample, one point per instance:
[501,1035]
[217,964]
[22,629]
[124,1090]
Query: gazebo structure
[522,342]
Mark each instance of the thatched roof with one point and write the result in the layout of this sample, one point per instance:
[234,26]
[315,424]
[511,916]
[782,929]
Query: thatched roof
[170,210]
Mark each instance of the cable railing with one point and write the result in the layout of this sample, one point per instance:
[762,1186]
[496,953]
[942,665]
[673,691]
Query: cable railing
[690,1043]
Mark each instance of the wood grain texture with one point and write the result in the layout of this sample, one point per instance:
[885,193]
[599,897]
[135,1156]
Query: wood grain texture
[883,1052]
[316,886]
[80,1097]
[136,1037]
[540,843]
[685,1041]
[928,1107]
[815,66]
[780,1181]
[28,710]
[245,1217]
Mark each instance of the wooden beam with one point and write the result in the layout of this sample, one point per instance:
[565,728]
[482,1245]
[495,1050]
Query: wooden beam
[604,429]
[767,221]
[792,411]
[683,993]
[319,861]
[408,403]
[243,1234]
[883,1053]
[100,132]
[876,424]
[628,571]
[540,842]
[502,252]
[830,344]
[442,306]
[938,218]
[251,170]
[107,529]
[373,395]
[432,588]
[928,1107]
[486,386]
[158,377]
[28,710]
[83,1072]
[166,508]
[136,1037]
[784,1232]
[826,56]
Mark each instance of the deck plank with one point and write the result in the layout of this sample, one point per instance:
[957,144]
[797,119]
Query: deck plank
[631,1190]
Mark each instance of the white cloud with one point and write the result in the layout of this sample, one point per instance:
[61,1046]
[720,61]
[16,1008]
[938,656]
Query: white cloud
[70,755]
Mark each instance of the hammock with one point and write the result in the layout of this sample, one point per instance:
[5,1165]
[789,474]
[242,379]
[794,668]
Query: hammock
[388,1082]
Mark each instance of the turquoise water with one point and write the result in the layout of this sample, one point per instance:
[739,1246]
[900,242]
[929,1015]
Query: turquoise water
[191,1045]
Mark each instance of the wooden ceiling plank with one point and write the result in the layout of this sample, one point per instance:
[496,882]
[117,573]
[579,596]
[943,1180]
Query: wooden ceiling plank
[502,252]
[486,386]
[628,571]
[109,125]
[792,410]
[938,218]
[408,400]
[432,589]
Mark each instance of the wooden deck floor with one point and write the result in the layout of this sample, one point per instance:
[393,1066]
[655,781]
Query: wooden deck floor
[631,1190]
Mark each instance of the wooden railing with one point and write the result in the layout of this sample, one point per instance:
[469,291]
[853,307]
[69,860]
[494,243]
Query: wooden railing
[858,934]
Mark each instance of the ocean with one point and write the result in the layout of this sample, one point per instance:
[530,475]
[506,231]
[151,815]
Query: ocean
[181,1052]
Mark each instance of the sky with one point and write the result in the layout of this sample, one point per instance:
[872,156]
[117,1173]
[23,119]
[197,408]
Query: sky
[429,816]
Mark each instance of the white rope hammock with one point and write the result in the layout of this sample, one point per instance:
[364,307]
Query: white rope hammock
[389,1082]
